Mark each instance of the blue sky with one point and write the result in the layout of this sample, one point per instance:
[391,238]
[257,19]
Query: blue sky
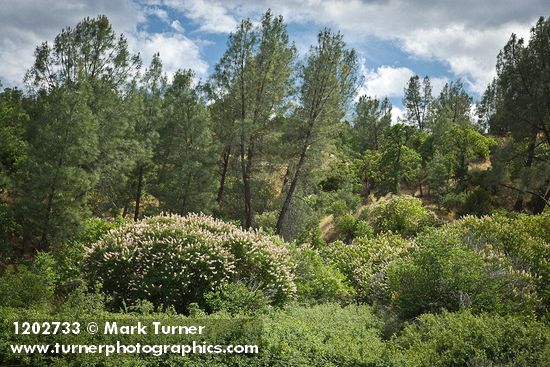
[395,39]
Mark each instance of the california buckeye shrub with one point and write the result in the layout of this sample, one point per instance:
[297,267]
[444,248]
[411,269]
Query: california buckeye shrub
[175,260]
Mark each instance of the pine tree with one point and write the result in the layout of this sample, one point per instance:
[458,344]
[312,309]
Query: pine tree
[254,77]
[522,107]
[329,80]
[418,101]
[146,106]
[55,180]
[92,51]
[185,175]
[13,120]
[372,117]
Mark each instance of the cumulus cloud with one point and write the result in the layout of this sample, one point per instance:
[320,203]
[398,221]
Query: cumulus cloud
[464,35]
[397,115]
[385,81]
[469,53]
[176,25]
[176,52]
[159,13]
[24,24]
[437,84]
[389,81]
[211,16]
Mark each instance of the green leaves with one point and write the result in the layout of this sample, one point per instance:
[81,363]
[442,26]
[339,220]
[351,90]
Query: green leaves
[401,214]
[54,181]
[463,339]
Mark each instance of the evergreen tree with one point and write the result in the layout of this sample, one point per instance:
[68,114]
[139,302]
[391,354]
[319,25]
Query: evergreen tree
[55,180]
[13,120]
[146,106]
[185,163]
[255,75]
[372,117]
[452,107]
[399,162]
[523,109]
[418,101]
[329,81]
[92,51]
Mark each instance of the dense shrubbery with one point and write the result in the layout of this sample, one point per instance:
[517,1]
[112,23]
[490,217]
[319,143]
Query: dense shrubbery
[317,280]
[173,260]
[519,244]
[462,339]
[27,285]
[351,227]
[441,274]
[236,298]
[402,214]
[365,263]
[9,231]
[322,335]
[485,270]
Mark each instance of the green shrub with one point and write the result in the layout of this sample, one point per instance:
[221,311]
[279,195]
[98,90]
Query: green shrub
[20,287]
[174,260]
[463,340]
[338,207]
[10,232]
[29,286]
[402,214]
[454,202]
[236,299]
[266,221]
[322,335]
[318,281]
[519,243]
[477,202]
[365,263]
[350,227]
[443,273]
[45,265]
[72,256]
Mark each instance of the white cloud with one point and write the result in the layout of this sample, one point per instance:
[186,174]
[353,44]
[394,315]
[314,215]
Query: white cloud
[397,115]
[437,84]
[176,52]
[25,24]
[464,35]
[386,81]
[176,25]
[470,54]
[211,16]
[389,81]
[159,13]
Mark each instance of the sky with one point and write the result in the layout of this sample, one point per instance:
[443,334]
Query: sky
[395,39]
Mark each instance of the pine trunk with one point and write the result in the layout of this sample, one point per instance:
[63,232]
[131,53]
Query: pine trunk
[138,192]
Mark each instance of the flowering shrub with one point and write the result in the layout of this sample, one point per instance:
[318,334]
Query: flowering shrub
[174,260]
